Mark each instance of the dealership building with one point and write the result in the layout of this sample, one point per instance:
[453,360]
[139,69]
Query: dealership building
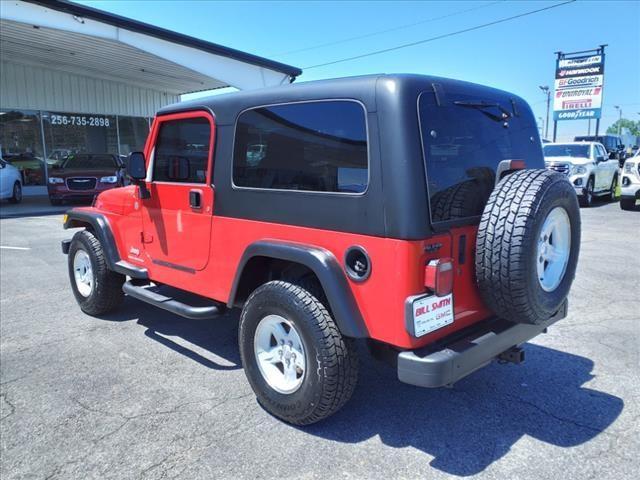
[75,79]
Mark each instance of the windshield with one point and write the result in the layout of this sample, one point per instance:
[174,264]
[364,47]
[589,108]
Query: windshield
[90,162]
[465,136]
[560,150]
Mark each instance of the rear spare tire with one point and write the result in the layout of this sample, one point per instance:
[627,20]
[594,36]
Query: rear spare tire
[527,245]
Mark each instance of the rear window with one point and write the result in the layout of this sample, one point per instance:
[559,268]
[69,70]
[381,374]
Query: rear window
[312,146]
[569,150]
[464,139]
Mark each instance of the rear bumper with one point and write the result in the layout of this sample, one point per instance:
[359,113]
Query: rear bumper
[454,358]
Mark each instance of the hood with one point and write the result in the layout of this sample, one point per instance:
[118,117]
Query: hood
[572,160]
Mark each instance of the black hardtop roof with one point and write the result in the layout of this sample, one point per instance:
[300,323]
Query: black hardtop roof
[363,88]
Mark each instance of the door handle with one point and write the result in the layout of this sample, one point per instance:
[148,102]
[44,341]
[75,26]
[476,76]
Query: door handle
[195,199]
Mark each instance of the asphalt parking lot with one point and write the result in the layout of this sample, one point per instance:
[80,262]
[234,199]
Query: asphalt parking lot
[144,394]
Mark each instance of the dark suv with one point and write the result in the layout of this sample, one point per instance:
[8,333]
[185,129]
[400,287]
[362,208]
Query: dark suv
[412,212]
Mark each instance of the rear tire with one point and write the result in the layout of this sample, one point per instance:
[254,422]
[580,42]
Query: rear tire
[16,196]
[327,369]
[97,289]
[527,245]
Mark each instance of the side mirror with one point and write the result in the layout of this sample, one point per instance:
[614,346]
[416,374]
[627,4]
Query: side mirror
[136,168]
[600,158]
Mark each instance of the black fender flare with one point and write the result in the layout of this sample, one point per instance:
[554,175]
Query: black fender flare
[99,225]
[325,266]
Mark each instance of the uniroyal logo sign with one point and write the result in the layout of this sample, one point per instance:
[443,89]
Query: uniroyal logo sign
[580,92]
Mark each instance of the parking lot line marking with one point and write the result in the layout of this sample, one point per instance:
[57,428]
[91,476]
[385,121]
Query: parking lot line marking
[14,248]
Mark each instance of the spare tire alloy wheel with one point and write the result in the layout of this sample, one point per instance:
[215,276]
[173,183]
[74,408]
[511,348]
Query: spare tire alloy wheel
[554,246]
[528,245]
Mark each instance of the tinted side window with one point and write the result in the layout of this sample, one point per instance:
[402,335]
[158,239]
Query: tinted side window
[182,151]
[464,139]
[314,146]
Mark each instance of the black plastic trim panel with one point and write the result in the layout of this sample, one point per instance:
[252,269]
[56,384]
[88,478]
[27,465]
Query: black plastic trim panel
[325,266]
[454,358]
[100,226]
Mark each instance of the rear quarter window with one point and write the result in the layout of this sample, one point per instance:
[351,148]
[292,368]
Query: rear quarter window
[318,146]
[464,139]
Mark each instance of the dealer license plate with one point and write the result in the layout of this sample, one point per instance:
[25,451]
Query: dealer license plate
[431,313]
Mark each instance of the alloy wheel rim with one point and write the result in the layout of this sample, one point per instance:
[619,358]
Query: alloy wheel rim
[17,192]
[83,273]
[554,247]
[280,354]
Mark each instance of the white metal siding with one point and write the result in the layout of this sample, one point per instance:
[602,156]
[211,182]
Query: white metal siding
[36,88]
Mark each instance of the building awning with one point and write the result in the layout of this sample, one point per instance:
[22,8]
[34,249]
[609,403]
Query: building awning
[65,36]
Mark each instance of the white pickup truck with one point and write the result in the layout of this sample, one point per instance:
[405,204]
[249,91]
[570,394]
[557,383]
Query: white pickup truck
[587,166]
[630,185]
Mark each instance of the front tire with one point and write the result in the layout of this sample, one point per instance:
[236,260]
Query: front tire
[614,186]
[97,289]
[16,196]
[628,203]
[299,365]
[587,198]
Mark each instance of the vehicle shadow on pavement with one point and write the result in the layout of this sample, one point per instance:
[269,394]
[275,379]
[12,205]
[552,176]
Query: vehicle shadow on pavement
[218,336]
[470,426]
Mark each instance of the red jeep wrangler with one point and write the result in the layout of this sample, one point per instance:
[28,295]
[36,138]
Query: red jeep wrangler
[411,211]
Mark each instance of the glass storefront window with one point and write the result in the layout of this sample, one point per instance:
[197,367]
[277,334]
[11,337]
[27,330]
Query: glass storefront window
[21,144]
[133,134]
[70,133]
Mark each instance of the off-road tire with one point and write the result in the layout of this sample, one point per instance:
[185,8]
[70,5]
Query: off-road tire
[16,193]
[107,294]
[586,200]
[506,246]
[628,203]
[332,363]
[459,201]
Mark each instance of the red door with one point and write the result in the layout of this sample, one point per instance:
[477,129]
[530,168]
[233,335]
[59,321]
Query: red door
[177,215]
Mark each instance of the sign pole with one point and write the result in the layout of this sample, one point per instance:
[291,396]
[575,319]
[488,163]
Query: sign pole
[555,122]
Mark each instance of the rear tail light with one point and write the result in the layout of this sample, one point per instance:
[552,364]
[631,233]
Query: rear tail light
[438,276]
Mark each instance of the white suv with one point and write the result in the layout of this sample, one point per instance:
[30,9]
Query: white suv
[588,167]
[630,185]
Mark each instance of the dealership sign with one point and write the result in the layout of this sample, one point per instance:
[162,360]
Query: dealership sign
[578,88]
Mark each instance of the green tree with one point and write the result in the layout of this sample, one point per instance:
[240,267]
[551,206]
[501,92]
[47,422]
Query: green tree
[634,127]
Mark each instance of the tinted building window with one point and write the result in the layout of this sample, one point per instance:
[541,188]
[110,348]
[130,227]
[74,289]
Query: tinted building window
[182,151]
[314,146]
[464,139]
[133,134]
[71,133]
[21,144]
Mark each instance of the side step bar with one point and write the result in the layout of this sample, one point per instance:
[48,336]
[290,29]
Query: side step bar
[170,304]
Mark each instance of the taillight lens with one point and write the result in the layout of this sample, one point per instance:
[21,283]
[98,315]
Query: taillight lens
[438,276]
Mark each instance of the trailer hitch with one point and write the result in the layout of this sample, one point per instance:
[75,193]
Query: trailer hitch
[513,355]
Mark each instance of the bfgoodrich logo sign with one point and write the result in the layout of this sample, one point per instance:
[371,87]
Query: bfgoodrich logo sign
[578,87]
